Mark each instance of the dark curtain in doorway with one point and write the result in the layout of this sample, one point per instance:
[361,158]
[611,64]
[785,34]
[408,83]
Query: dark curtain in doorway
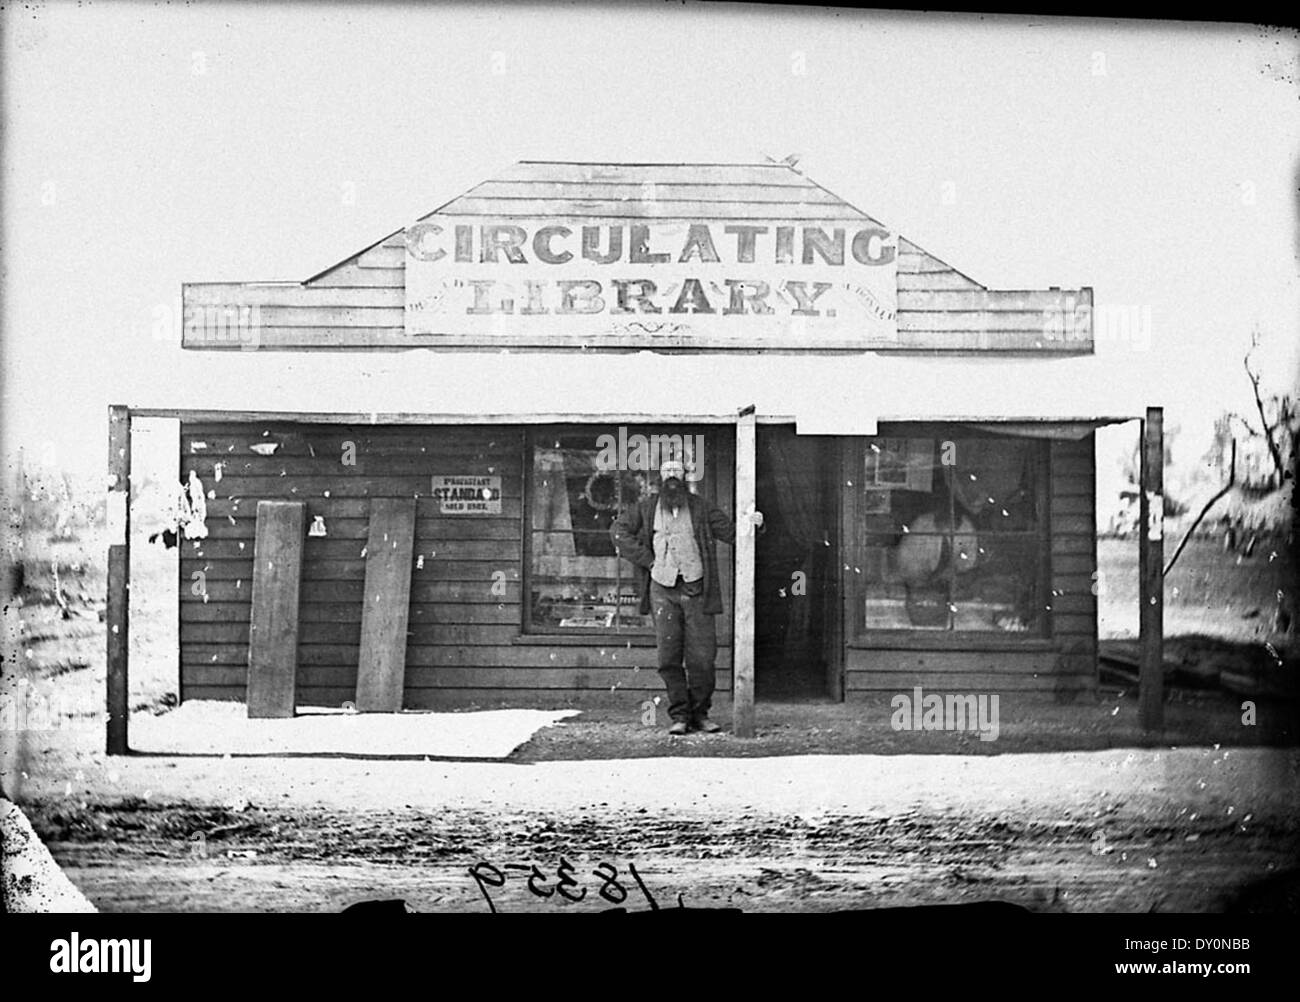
[794,469]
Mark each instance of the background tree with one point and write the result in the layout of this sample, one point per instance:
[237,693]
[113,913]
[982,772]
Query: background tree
[1270,435]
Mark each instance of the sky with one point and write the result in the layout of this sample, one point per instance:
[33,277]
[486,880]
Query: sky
[146,145]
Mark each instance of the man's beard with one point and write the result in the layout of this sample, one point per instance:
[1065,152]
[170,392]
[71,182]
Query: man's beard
[673,492]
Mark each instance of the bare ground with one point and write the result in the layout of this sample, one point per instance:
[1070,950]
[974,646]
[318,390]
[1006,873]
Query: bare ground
[130,856]
[1115,830]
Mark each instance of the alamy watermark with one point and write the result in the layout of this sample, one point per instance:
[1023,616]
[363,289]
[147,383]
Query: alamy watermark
[76,955]
[951,712]
[646,453]
[231,325]
[1115,323]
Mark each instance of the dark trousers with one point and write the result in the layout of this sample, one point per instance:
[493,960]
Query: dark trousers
[688,644]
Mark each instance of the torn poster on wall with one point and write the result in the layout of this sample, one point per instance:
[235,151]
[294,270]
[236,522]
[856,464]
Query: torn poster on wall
[188,515]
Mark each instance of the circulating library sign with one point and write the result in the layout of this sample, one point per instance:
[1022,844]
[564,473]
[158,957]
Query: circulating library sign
[707,283]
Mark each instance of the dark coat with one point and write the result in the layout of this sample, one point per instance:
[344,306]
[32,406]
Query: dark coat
[633,534]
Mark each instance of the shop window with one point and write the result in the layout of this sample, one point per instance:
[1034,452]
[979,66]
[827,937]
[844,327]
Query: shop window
[579,480]
[952,535]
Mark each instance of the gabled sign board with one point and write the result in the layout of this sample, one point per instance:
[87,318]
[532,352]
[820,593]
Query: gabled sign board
[616,257]
[702,283]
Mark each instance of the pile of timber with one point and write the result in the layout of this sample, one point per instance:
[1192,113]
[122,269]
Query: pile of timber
[1241,668]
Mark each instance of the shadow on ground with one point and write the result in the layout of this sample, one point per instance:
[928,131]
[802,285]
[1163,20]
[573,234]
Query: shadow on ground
[863,727]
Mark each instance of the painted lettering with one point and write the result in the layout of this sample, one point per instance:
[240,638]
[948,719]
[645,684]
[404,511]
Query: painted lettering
[502,237]
[699,243]
[830,249]
[542,245]
[753,293]
[591,244]
[803,301]
[745,236]
[624,296]
[580,297]
[639,246]
[869,247]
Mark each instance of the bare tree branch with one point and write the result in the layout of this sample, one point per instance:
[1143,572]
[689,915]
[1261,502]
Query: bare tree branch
[1233,415]
[1263,420]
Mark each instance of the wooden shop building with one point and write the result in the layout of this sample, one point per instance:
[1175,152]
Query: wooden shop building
[405,467]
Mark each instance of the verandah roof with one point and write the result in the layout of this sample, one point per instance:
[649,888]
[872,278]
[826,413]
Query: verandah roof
[822,394]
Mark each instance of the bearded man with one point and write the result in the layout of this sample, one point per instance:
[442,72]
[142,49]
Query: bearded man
[670,537]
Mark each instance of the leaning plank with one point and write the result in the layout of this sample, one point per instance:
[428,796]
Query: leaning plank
[273,632]
[382,665]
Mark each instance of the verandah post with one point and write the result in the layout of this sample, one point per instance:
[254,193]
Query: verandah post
[1151,509]
[743,635]
[119,577]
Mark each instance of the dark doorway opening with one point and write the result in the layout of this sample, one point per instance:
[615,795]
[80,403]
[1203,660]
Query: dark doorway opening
[795,567]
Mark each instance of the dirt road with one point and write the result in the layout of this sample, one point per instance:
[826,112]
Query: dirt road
[325,863]
[1140,830]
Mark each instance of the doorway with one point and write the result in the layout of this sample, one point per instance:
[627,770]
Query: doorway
[796,648]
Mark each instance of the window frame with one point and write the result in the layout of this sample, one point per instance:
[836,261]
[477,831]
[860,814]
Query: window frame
[856,631]
[528,630]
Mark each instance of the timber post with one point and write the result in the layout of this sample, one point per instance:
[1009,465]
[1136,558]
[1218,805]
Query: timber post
[119,576]
[1150,573]
[742,695]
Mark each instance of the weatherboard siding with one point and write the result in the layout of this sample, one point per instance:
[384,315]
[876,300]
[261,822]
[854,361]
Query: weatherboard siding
[465,640]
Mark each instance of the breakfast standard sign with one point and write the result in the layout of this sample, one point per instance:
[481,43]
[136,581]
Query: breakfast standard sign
[683,283]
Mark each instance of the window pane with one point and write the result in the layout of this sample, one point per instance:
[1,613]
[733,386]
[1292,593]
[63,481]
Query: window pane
[581,480]
[574,601]
[951,535]
[629,616]
[1001,593]
[902,464]
[906,585]
[571,492]
[993,481]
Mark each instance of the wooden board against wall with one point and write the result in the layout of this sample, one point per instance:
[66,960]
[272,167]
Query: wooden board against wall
[381,669]
[272,656]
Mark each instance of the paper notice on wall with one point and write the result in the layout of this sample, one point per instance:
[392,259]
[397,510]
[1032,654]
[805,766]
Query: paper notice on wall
[467,495]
